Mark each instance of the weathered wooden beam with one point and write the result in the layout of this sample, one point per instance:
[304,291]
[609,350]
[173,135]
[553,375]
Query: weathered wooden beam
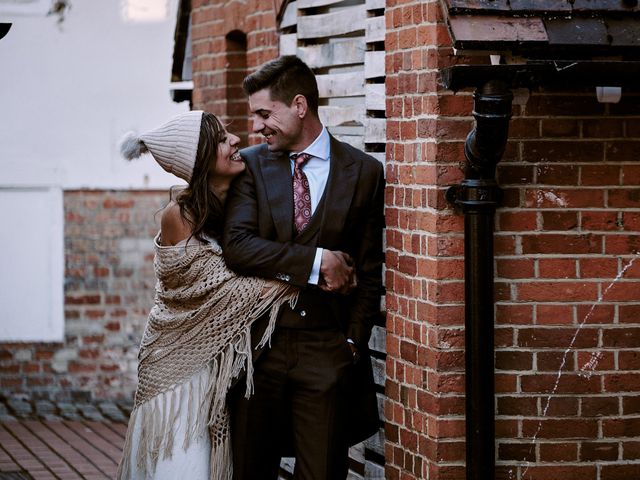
[493,28]
[577,31]
[336,116]
[290,16]
[375,30]
[374,96]
[466,5]
[376,443]
[375,4]
[346,20]
[316,3]
[341,84]
[379,375]
[375,130]
[357,453]
[288,44]
[374,64]
[378,339]
[333,54]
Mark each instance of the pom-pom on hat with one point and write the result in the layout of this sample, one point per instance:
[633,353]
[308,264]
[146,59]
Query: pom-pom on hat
[173,145]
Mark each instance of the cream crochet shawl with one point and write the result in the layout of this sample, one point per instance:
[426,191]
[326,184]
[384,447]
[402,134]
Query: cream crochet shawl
[199,327]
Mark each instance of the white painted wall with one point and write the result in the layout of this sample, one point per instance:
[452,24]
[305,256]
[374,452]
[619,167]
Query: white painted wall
[68,93]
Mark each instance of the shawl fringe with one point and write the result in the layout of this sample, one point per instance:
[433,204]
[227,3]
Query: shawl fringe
[204,393]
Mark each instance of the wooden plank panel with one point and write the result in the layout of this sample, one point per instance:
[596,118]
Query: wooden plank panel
[316,3]
[374,96]
[347,20]
[336,116]
[375,30]
[357,453]
[374,64]
[288,464]
[375,443]
[624,32]
[577,31]
[479,4]
[378,340]
[379,376]
[374,4]
[374,471]
[604,5]
[375,130]
[290,16]
[341,84]
[491,28]
[288,44]
[333,54]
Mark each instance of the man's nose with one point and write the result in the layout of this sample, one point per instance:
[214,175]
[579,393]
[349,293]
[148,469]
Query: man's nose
[258,125]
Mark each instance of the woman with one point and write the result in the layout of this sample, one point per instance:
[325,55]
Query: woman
[197,336]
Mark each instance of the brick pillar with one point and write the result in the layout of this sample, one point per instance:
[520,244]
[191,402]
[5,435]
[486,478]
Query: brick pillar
[425,358]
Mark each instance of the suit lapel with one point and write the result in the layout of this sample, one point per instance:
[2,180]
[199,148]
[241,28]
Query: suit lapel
[276,174]
[341,186]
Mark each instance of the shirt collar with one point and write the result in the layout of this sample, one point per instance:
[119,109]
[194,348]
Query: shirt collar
[320,147]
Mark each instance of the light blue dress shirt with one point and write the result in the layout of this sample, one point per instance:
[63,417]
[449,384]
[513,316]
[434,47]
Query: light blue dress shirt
[317,171]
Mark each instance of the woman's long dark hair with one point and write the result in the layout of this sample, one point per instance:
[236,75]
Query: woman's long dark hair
[198,204]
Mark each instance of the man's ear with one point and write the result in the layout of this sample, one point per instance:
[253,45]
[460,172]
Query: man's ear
[300,104]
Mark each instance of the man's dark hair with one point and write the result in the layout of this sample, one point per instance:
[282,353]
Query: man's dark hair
[285,77]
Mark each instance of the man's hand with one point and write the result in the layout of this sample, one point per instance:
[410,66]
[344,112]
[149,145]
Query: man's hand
[336,272]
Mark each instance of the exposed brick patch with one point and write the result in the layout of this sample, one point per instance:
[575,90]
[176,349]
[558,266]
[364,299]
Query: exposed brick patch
[109,288]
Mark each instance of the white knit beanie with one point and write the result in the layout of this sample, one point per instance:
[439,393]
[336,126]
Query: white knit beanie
[173,145]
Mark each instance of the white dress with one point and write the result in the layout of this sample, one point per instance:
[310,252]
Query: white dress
[192,462]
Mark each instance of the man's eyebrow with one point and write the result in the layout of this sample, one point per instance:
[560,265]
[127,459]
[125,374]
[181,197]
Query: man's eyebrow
[262,110]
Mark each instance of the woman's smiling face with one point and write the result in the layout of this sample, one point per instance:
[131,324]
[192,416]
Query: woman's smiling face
[229,163]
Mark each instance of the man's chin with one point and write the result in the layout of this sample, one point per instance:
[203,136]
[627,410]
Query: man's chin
[273,147]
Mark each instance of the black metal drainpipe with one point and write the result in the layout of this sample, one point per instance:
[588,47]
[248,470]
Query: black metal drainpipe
[478,195]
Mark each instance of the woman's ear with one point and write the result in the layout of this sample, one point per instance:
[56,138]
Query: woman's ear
[300,103]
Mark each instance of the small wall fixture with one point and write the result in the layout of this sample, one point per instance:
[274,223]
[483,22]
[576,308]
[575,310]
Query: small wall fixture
[608,94]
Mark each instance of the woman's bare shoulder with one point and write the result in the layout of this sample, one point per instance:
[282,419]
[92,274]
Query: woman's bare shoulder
[173,226]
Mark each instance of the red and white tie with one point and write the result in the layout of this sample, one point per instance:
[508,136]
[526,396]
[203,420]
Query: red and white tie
[301,193]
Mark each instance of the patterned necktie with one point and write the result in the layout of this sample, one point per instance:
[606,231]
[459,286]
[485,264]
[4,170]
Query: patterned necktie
[301,193]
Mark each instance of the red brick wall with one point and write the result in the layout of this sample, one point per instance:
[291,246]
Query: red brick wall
[568,298]
[568,359]
[216,26]
[109,288]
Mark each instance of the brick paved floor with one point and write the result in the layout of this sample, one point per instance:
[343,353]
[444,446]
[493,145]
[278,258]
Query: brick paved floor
[41,439]
[60,449]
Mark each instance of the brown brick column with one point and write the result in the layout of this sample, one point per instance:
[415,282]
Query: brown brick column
[425,358]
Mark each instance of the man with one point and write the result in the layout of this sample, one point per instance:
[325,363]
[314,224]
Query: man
[308,211]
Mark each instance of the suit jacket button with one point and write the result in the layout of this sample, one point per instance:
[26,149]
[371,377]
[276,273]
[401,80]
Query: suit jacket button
[303,313]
